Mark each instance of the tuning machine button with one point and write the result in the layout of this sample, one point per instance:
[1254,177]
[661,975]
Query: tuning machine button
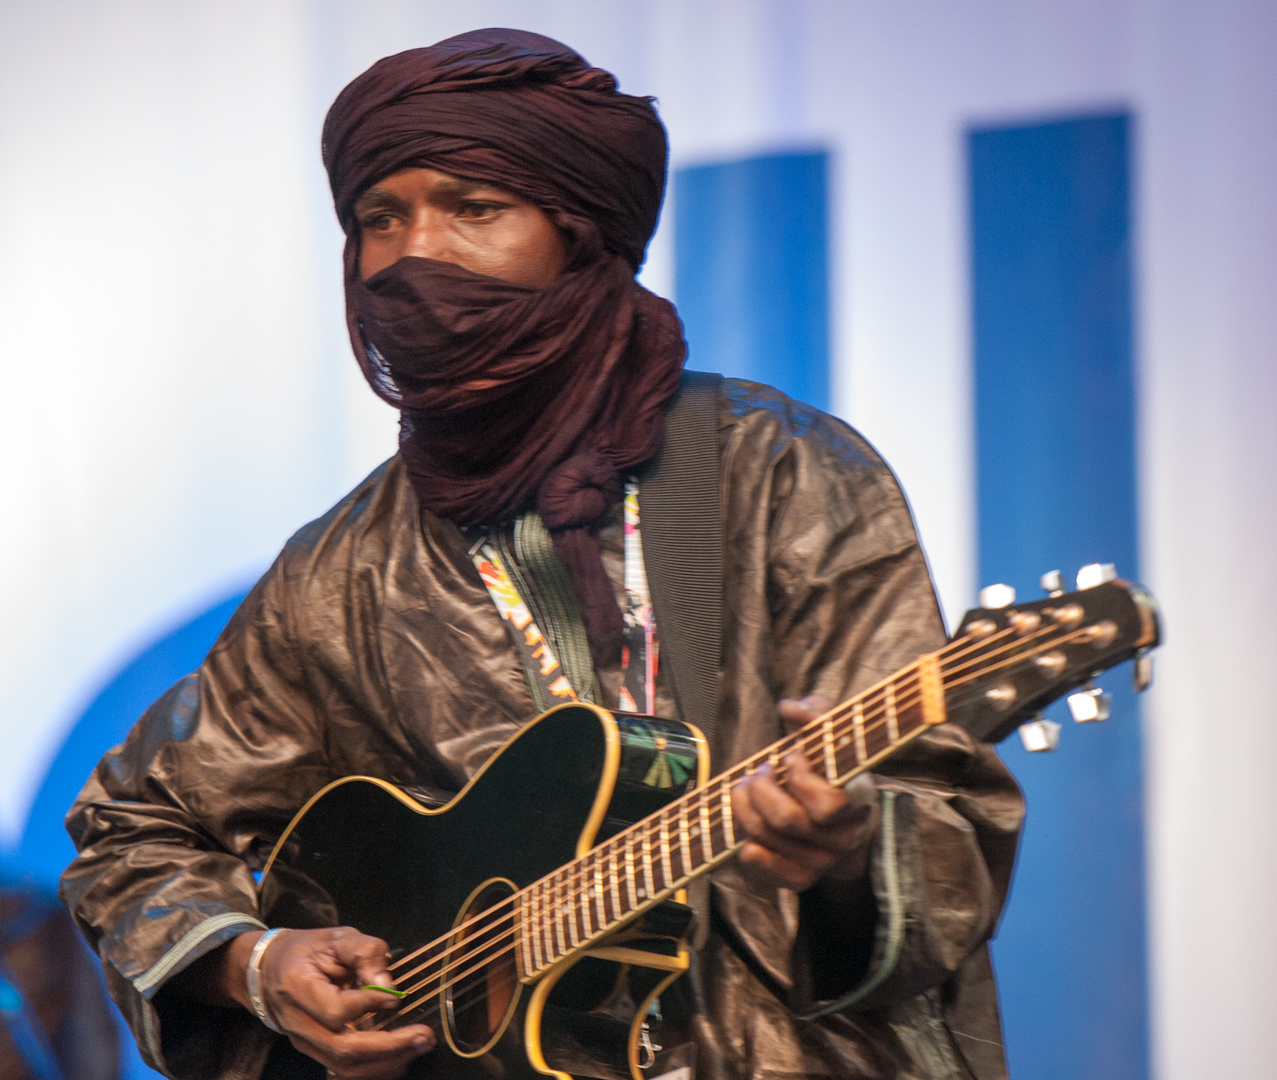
[1068,616]
[1143,673]
[1024,622]
[997,596]
[1090,704]
[1093,574]
[1040,735]
[1052,663]
[1052,583]
[1002,696]
[980,628]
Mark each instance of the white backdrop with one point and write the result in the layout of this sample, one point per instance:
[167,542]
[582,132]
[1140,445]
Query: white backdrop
[177,392]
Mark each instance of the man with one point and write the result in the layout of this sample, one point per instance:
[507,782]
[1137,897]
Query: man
[54,1019]
[497,196]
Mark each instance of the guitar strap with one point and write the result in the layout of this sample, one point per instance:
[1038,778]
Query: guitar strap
[683,548]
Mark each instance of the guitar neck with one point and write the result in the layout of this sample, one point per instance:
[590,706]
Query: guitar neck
[639,867]
[1006,661]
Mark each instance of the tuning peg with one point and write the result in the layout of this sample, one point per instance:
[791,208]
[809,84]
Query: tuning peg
[997,596]
[1090,704]
[1095,573]
[1142,673]
[1040,735]
[1052,584]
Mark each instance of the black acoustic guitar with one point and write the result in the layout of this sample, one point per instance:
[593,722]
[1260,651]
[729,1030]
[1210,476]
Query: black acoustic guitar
[534,918]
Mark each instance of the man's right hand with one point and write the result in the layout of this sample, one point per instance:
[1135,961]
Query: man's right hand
[310,982]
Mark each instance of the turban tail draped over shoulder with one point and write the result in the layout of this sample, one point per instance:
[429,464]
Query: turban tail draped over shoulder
[511,397]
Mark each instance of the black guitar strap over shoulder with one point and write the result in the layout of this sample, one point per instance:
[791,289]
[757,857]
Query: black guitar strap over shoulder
[682,530]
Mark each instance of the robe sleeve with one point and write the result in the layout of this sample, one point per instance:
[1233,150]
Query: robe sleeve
[849,601]
[173,822]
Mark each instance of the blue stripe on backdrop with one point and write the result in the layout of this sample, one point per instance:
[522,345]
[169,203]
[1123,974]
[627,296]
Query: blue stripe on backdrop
[751,270]
[1055,419]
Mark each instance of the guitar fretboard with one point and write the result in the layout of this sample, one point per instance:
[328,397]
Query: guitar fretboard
[639,867]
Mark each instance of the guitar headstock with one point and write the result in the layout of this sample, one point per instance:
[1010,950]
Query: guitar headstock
[1010,661]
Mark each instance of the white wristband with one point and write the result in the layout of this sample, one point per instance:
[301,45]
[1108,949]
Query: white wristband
[253,977]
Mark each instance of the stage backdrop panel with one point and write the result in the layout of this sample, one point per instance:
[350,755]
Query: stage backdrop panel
[1055,441]
[751,270]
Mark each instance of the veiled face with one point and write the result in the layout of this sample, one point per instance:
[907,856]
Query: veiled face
[477,226]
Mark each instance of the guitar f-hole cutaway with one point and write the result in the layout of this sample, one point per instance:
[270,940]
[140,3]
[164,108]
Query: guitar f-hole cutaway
[481,987]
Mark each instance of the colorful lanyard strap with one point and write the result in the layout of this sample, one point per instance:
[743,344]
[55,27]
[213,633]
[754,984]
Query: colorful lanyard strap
[538,658]
[640,650]
[640,655]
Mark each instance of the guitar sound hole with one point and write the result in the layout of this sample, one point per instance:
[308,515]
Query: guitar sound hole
[483,979]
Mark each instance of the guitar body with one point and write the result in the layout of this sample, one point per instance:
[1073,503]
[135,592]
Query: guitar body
[362,853]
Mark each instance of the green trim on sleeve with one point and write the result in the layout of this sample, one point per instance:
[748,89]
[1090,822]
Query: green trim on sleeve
[146,983]
[149,1037]
[895,919]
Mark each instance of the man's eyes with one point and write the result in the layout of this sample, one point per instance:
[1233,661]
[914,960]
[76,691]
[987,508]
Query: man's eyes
[477,209]
[378,222]
[382,221]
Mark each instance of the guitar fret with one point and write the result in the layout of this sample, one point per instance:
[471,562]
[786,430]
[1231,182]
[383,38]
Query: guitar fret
[729,834]
[858,724]
[707,847]
[684,840]
[616,882]
[831,758]
[536,930]
[567,916]
[666,863]
[547,926]
[569,909]
[629,871]
[600,893]
[559,940]
[893,724]
[524,937]
[647,862]
[586,927]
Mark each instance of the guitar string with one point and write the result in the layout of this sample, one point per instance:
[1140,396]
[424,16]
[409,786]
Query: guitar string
[550,922]
[612,848]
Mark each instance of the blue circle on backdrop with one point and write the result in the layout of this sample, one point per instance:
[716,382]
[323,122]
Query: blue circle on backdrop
[45,848]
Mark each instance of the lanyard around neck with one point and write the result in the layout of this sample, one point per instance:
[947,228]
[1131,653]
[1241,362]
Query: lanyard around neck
[639,652]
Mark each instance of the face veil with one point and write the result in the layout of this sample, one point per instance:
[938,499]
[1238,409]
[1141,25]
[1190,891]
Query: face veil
[513,398]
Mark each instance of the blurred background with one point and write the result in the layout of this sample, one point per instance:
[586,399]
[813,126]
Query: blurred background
[1023,247]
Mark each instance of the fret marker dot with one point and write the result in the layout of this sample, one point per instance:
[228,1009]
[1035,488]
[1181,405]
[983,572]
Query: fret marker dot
[695,831]
[641,894]
[844,740]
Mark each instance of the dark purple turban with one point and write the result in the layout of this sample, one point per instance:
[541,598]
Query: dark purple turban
[512,397]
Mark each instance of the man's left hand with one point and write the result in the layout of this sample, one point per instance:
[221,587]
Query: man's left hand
[808,829]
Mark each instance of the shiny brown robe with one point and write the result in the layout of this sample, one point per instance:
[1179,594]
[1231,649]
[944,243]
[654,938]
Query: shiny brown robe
[372,647]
